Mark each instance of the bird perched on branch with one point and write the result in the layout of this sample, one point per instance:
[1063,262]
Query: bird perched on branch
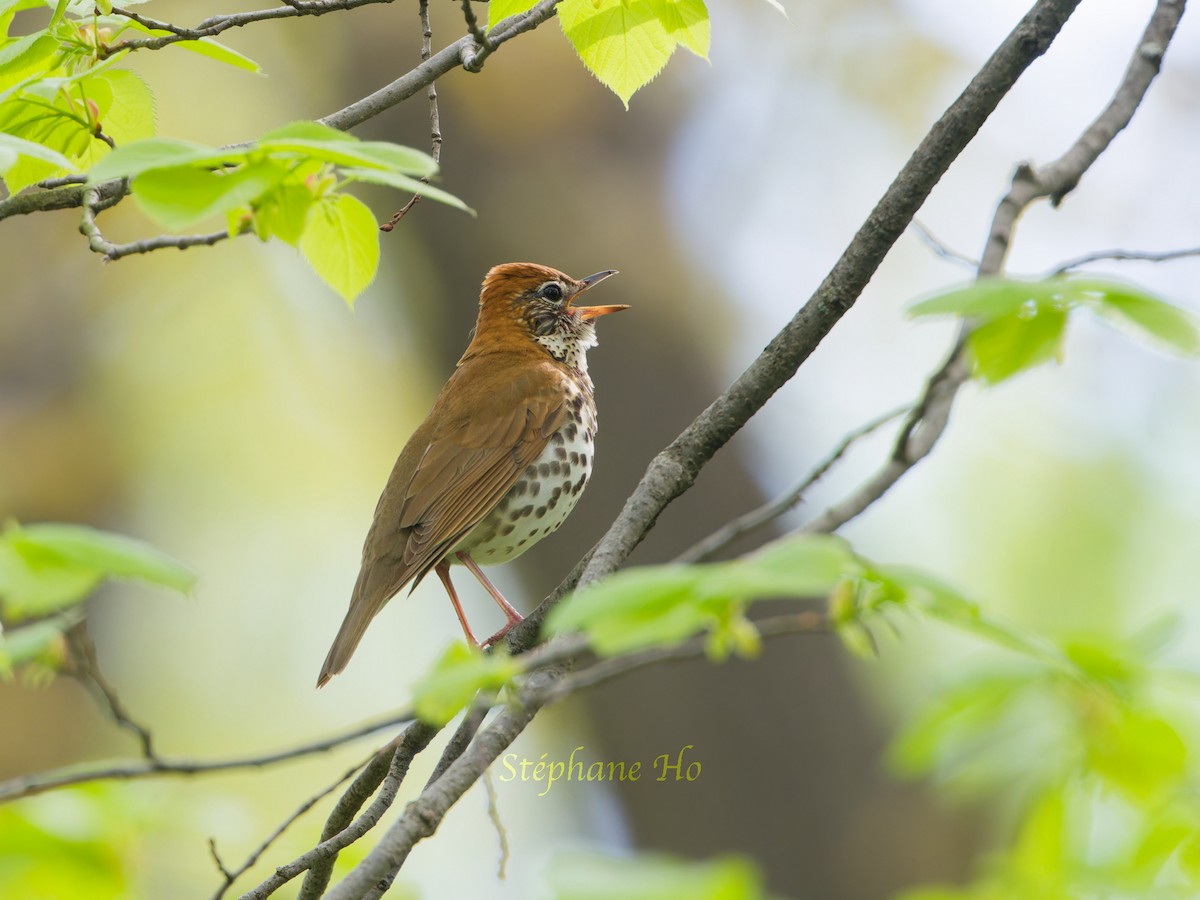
[502,457]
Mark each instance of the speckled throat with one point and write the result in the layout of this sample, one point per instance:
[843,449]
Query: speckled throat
[547,490]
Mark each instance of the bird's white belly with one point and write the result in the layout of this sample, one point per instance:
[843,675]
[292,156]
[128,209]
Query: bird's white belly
[542,498]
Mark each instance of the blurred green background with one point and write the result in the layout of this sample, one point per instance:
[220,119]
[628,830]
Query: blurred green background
[227,407]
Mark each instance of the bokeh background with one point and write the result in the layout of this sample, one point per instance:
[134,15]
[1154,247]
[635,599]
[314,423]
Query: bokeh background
[227,407]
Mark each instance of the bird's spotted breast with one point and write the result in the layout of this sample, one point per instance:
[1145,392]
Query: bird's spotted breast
[544,494]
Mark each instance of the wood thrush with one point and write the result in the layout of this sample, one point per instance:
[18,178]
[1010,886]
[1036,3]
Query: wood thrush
[502,457]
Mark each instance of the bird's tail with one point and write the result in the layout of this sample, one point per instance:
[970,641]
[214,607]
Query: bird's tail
[354,626]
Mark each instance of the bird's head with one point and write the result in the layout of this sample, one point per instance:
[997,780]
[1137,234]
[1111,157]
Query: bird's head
[528,303]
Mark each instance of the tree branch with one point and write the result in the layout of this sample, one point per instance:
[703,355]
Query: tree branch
[1125,255]
[27,785]
[216,24]
[769,512]
[461,53]
[231,876]
[928,420]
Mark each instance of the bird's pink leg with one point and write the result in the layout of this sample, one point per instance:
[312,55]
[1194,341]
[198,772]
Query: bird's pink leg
[509,612]
[443,572]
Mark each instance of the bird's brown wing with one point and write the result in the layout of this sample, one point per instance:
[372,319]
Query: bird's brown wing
[455,468]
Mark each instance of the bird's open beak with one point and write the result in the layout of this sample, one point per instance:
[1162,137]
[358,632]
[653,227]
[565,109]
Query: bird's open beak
[588,313]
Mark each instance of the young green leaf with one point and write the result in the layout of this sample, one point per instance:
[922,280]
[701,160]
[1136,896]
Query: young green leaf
[282,213]
[36,642]
[456,678]
[624,43]
[687,23]
[132,159]
[11,148]
[47,566]
[182,196]
[1016,342]
[1147,316]
[341,243]
[205,47]
[662,606]
[992,298]
[404,183]
[26,55]
[1139,752]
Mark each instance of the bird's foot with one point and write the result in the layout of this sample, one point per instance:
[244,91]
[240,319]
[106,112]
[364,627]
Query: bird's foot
[499,635]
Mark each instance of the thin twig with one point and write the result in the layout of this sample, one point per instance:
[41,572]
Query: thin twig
[27,785]
[1125,255]
[232,876]
[87,670]
[460,53]
[320,859]
[493,812]
[462,736]
[214,25]
[482,45]
[769,512]
[97,243]
[435,122]
[941,249]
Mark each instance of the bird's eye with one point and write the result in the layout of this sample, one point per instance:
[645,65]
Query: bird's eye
[552,291]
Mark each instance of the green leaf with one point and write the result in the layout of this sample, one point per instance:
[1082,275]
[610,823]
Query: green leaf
[661,606]
[38,641]
[312,140]
[957,717]
[1142,313]
[992,298]
[456,678]
[595,877]
[13,147]
[219,52]
[687,23]
[1013,343]
[341,243]
[60,8]
[1139,752]
[283,212]
[1041,846]
[25,56]
[47,567]
[135,158]
[641,607]
[405,183]
[499,10]
[624,43]
[181,197]
[801,566]
[205,47]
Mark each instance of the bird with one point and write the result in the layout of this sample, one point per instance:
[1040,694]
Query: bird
[502,457]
